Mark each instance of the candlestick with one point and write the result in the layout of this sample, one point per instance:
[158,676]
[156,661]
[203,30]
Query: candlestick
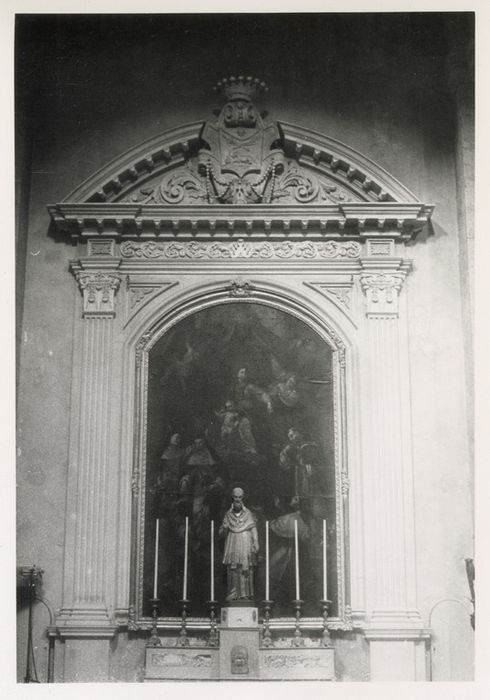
[267,560]
[183,640]
[297,640]
[212,559]
[186,546]
[324,560]
[296,558]
[154,639]
[155,576]
[266,630]
[326,641]
[213,631]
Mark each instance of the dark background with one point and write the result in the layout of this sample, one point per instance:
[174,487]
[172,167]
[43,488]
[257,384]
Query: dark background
[225,338]
[103,83]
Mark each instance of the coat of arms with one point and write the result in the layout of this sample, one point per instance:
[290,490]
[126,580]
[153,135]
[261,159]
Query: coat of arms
[238,156]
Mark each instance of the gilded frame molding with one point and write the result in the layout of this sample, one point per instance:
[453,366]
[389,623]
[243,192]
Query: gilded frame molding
[205,299]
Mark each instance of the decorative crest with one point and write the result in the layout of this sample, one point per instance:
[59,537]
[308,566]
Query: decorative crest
[240,88]
[239,157]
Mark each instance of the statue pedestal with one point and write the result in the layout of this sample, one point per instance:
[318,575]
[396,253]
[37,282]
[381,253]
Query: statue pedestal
[239,644]
[239,616]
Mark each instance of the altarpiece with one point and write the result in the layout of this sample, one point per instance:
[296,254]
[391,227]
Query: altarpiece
[242,321]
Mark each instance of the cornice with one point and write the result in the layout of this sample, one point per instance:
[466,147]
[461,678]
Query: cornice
[397,634]
[82,631]
[313,147]
[164,149]
[222,222]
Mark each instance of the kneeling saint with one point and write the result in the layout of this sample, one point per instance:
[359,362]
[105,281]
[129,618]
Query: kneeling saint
[241,547]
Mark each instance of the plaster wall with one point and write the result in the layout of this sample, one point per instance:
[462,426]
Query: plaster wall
[379,86]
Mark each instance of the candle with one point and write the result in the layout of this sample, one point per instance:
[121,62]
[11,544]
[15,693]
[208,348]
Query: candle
[296,558]
[186,546]
[155,577]
[212,559]
[267,560]
[324,560]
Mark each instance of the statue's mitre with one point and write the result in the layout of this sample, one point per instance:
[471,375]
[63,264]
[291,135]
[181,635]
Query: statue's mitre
[240,88]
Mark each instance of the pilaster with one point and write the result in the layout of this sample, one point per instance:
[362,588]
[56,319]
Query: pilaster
[387,464]
[84,613]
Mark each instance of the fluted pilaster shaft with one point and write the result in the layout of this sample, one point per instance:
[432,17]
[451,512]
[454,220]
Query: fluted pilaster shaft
[387,459]
[85,576]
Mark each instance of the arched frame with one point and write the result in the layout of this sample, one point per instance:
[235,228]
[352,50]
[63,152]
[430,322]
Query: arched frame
[284,301]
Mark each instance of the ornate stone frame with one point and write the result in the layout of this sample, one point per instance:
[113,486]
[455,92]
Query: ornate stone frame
[341,267]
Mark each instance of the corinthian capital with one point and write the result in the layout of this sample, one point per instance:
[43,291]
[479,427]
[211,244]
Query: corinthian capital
[382,291]
[98,289]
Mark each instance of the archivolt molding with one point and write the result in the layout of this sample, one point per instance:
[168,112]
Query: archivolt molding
[154,324]
[147,327]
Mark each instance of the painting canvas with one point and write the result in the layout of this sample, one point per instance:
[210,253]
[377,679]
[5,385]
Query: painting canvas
[240,394]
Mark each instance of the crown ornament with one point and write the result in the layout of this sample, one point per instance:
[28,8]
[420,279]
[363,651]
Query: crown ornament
[240,88]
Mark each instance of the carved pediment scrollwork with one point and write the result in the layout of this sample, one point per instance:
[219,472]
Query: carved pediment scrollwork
[187,186]
[240,160]
[241,175]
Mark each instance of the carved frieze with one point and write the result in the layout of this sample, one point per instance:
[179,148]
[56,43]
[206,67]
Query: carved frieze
[298,664]
[276,660]
[98,289]
[180,659]
[224,250]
